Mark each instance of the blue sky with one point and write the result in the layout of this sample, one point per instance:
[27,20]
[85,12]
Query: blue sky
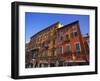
[34,22]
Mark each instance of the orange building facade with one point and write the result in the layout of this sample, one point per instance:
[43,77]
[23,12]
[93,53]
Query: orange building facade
[58,45]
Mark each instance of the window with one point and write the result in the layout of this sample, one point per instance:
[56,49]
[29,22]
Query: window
[54,35]
[52,52]
[87,45]
[67,37]
[68,48]
[34,53]
[45,53]
[71,35]
[75,33]
[78,48]
[54,42]
[52,55]
[60,50]
[60,37]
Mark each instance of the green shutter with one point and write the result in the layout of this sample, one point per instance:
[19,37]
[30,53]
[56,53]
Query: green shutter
[78,47]
[68,48]
[67,37]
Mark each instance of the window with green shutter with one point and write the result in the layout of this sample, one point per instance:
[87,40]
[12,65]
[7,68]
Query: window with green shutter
[75,33]
[78,48]
[68,48]
[87,45]
[67,37]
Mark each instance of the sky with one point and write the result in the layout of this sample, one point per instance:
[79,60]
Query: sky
[35,22]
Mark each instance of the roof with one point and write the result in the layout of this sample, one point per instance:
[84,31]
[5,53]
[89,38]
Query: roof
[53,26]
[45,29]
[68,25]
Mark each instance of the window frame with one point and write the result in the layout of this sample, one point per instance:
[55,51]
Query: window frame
[70,48]
[75,34]
[79,46]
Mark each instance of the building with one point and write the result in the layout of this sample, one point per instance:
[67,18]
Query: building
[59,45]
[86,43]
[28,56]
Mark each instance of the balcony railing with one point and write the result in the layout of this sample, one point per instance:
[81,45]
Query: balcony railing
[70,55]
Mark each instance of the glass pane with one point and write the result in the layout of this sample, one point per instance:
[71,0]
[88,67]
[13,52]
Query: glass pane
[68,48]
[75,33]
[87,44]
[60,50]
[60,37]
[78,47]
[67,37]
